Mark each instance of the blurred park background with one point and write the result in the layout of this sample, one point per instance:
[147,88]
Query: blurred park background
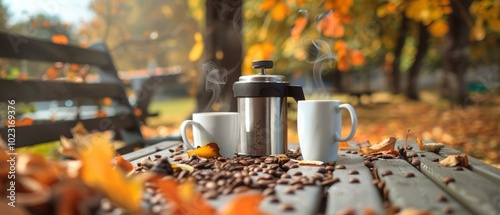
[431,66]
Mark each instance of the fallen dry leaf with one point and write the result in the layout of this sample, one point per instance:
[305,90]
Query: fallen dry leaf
[420,144]
[37,167]
[210,150]
[244,205]
[98,172]
[310,162]
[433,147]
[413,211]
[184,197]
[455,160]
[343,145]
[123,164]
[385,145]
[183,166]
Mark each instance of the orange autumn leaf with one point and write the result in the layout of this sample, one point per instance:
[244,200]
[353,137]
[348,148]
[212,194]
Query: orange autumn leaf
[420,144]
[298,27]
[184,198]
[52,73]
[455,160]
[280,11]
[331,26]
[267,4]
[123,164]
[210,150]
[343,6]
[98,172]
[244,205]
[438,28]
[357,58]
[59,39]
[385,146]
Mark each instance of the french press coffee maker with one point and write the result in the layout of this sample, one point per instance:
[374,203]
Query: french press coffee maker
[262,108]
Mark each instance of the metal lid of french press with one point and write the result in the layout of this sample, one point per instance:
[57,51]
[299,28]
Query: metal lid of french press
[261,85]
[263,77]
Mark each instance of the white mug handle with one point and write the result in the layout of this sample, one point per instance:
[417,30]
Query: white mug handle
[184,135]
[354,120]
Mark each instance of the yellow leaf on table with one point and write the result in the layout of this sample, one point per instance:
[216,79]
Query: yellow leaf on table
[184,197]
[210,150]
[244,205]
[98,172]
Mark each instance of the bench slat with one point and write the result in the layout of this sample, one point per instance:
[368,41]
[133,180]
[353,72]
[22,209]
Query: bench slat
[31,135]
[344,195]
[414,192]
[477,193]
[20,47]
[30,90]
[490,172]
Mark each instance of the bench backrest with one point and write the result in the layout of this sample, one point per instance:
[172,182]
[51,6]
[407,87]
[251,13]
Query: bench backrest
[14,46]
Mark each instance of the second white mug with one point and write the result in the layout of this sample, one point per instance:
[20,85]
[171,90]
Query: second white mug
[216,127]
[319,124]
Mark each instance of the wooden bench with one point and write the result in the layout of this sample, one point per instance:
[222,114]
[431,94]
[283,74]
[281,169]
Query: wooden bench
[382,186]
[125,123]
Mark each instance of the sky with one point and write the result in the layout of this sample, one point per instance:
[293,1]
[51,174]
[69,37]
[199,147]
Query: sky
[71,11]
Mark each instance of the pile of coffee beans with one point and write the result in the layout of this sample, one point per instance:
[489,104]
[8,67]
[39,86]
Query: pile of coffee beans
[224,176]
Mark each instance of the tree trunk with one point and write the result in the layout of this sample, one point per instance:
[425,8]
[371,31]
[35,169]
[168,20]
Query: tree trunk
[223,47]
[456,56]
[423,46]
[398,50]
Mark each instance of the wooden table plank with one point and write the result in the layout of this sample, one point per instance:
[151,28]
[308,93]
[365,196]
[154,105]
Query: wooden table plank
[490,172]
[344,195]
[157,148]
[477,193]
[414,192]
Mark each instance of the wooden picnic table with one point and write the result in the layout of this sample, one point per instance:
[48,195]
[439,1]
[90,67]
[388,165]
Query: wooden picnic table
[358,184]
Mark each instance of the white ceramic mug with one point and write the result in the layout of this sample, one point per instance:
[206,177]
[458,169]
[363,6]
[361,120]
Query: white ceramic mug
[217,127]
[319,124]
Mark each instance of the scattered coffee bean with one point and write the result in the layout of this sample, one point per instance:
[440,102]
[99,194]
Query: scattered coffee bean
[340,166]
[459,168]
[316,177]
[286,207]
[253,173]
[269,160]
[294,166]
[386,173]
[177,152]
[211,185]
[412,154]
[177,158]
[157,156]
[442,198]
[348,151]
[256,161]
[353,172]
[211,194]
[274,166]
[415,162]
[435,160]
[353,180]
[298,187]
[448,180]
[330,182]
[171,150]
[240,189]
[448,210]
[268,192]
[322,170]
[272,199]
[368,164]
[409,175]
[422,155]
[286,175]
[298,173]
[289,190]
[221,159]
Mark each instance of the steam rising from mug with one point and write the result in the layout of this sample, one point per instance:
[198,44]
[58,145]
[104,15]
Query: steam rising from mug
[215,78]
